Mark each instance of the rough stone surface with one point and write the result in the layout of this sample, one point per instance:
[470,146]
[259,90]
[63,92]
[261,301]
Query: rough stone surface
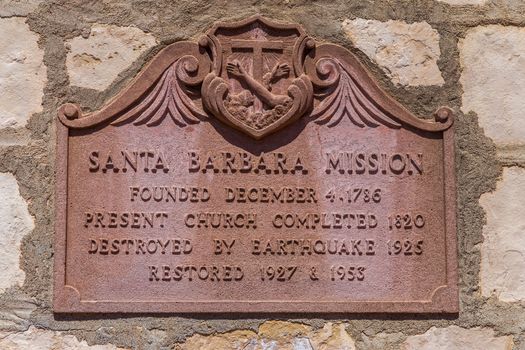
[382,341]
[17,7]
[94,62]
[22,73]
[512,154]
[457,338]
[16,223]
[15,313]
[58,21]
[493,77]
[407,53]
[39,339]
[275,335]
[503,249]
[464,2]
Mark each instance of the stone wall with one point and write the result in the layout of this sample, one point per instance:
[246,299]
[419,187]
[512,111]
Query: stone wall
[467,54]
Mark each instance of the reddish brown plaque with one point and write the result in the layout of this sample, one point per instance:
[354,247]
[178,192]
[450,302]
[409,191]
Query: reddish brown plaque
[255,171]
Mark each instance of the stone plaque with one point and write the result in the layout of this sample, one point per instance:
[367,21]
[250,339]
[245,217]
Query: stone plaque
[255,170]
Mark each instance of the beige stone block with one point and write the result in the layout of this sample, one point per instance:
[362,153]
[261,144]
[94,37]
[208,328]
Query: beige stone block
[14,313]
[407,53]
[22,73]
[230,340]
[94,62]
[275,335]
[493,79]
[457,338]
[16,223]
[332,337]
[40,339]
[503,247]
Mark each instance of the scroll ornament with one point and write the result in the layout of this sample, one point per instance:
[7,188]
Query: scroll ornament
[257,76]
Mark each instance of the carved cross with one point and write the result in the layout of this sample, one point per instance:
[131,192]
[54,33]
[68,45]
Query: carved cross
[258,47]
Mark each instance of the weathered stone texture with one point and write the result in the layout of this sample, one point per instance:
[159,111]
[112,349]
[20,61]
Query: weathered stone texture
[17,7]
[464,2]
[493,78]
[382,341]
[275,335]
[457,338]
[94,62]
[22,73]
[503,248]
[16,223]
[407,53]
[403,41]
[40,339]
[15,313]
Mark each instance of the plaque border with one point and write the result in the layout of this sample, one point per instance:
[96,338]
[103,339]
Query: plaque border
[66,298]
[445,299]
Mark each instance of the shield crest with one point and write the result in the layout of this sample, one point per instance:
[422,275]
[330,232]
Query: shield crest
[257,84]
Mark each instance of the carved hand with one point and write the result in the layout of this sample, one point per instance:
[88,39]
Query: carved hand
[235,69]
[280,71]
[256,87]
